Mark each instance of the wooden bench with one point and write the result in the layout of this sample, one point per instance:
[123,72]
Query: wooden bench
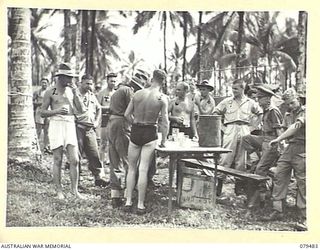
[252,181]
[229,171]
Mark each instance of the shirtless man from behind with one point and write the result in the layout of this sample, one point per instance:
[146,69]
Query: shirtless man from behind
[143,112]
[63,99]
[182,112]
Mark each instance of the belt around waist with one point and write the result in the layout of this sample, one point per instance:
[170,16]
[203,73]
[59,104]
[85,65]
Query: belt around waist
[140,124]
[116,116]
[271,133]
[237,123]
[85,127]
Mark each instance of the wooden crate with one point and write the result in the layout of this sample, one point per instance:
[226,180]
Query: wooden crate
[195,189]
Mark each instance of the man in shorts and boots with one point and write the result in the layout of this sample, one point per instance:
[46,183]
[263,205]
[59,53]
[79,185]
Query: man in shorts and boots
[118,134]
[293,158]
[86,123]
[64,101]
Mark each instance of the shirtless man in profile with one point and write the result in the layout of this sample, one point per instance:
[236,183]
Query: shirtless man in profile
[143,112]
[63,99]
[182,112]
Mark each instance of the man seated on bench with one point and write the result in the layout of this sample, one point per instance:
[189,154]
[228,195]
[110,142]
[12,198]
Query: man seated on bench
[271,129]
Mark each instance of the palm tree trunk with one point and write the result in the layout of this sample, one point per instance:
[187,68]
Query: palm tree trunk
[185,28]
[199,46]
[67,36]
[78,40]
[92,43]
[22,139]
[165,47]
[85,38]
[302,38]
[239,42]
[165,40]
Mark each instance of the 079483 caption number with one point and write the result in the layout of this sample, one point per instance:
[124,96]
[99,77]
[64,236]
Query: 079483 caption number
[307,246]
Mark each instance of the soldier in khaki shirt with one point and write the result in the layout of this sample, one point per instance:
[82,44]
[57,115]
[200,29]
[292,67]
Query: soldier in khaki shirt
[87,122]
[104,97]
[292,159]
[237,112]
[205,101]
[271,128]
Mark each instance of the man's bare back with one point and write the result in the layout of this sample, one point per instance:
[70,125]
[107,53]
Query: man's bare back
[147,105]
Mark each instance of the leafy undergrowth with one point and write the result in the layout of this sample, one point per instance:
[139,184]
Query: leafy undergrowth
[31,202]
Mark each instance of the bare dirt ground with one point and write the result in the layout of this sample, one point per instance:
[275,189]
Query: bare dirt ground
[31,202]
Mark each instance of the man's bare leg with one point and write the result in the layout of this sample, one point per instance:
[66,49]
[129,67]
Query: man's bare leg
[57,162]
[46,135]
[72,152]
[146,157]
[133,157]
[38,129]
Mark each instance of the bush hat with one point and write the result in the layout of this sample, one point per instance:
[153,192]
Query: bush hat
[137,81]
[264,90]
[206,84]
[66,70]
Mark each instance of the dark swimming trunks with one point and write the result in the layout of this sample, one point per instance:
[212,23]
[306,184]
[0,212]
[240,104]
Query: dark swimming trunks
[142,134]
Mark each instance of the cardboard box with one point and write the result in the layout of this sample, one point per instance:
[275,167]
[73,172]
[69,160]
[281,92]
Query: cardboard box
[195,189]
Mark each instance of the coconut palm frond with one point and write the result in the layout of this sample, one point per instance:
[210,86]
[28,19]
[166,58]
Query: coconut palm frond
[142,19]
[222,34]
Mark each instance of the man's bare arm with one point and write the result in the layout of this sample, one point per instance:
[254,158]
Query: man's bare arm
[164,121]
[77,100]
[98,115]
[193,124]
[292,130]
[128,114]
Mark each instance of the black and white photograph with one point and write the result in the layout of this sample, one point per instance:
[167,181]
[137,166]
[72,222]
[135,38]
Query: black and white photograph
[157,119]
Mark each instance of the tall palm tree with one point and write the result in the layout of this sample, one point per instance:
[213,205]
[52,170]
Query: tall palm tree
[198,57]
[44,51]
[22,139]
[187,24]
[67,35]
[99,41]
[175,57]
[144,17]
[77,45]
[260,42]
[239,40]
[302,38]
[214,33]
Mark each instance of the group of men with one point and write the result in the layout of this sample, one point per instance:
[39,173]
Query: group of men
[241,115]
[127,127]
[130,116]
